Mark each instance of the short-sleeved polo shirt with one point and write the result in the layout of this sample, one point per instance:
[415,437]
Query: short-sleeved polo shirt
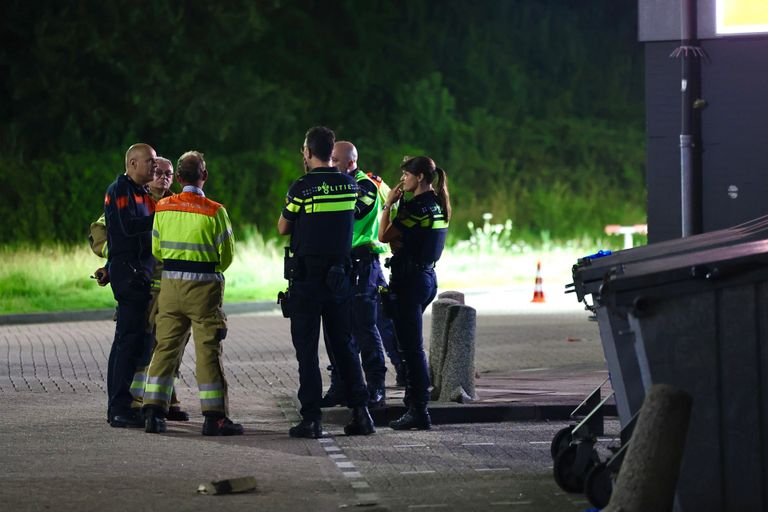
[321,205]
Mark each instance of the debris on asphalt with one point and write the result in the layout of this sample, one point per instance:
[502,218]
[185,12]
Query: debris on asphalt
[228,486]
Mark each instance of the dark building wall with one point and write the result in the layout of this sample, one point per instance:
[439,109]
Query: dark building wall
[734,82]
[662,117]
[735,131]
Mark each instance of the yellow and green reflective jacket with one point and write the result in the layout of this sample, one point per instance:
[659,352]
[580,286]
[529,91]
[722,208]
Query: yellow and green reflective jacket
[367,207]
[189,227]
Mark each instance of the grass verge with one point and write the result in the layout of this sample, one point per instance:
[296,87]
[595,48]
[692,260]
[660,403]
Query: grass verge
[56,277]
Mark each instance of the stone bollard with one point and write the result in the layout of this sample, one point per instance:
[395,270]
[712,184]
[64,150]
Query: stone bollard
[437,338]
[648,476]
[458,369]
[452,294]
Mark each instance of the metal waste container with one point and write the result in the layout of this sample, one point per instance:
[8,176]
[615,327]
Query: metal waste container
[699,321]
[592,272]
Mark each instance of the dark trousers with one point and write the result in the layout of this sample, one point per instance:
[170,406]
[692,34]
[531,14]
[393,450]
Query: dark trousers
[386,327]
[313,302]
[366,339]
[132,346]
[413,291]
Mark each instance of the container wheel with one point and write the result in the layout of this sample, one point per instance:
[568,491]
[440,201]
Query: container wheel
[567,476]
[598,485]
[561,441]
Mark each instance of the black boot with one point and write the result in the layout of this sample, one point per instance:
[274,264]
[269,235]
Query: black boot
[378,397]
[310,429]
[417,416]
[175,413]
[221,426]
[361,424]
[333,397]
[154,420]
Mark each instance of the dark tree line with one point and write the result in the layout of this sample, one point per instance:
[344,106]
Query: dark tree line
[528,104]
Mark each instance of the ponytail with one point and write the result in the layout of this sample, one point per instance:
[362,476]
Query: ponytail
[442,192]
[426,166]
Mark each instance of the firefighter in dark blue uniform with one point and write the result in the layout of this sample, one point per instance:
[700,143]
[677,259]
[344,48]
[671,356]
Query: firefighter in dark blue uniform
[129,212]
[319,215]
[417,237]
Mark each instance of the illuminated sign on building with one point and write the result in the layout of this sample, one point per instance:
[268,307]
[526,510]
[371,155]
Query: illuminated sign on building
[742,16]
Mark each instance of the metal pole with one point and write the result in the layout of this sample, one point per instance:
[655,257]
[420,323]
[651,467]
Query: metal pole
[690,174]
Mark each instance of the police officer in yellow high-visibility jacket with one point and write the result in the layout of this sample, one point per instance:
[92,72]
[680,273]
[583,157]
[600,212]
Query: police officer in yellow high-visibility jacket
[192,235]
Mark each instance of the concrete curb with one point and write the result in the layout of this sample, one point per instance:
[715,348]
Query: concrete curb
[107,314]
[448,413]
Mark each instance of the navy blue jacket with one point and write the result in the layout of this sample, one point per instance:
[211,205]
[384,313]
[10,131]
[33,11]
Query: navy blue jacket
[129,212]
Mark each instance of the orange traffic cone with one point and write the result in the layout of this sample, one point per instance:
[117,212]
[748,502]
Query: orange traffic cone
[538,292]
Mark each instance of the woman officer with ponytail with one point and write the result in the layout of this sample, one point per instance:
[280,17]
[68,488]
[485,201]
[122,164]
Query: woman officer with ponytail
[417,237]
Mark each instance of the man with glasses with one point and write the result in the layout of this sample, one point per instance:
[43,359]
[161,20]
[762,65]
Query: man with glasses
[159,188]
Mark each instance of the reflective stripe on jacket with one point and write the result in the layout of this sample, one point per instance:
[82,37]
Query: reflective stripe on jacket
[190,227]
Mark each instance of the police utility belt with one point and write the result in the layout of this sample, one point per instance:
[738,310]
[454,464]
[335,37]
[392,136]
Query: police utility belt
[407,265]
[332,269]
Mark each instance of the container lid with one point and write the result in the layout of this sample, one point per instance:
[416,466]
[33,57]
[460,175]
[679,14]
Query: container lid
[708,266]
[589,273]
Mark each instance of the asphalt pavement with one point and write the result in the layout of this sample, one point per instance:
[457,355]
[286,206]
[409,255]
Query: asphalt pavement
[534,363]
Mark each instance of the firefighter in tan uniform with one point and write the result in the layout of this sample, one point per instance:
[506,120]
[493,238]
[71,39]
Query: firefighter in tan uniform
[159,188]
[192,235]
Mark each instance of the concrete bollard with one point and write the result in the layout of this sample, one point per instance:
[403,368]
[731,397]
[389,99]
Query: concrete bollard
[452,294]
[458,369]
[648,476]
[437,338]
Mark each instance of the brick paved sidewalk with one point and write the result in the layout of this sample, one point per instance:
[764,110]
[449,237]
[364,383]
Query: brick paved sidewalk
[557,365]
[59,453]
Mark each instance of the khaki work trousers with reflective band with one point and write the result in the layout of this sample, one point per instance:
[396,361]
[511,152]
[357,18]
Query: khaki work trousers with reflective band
[183,304]
[140,377]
